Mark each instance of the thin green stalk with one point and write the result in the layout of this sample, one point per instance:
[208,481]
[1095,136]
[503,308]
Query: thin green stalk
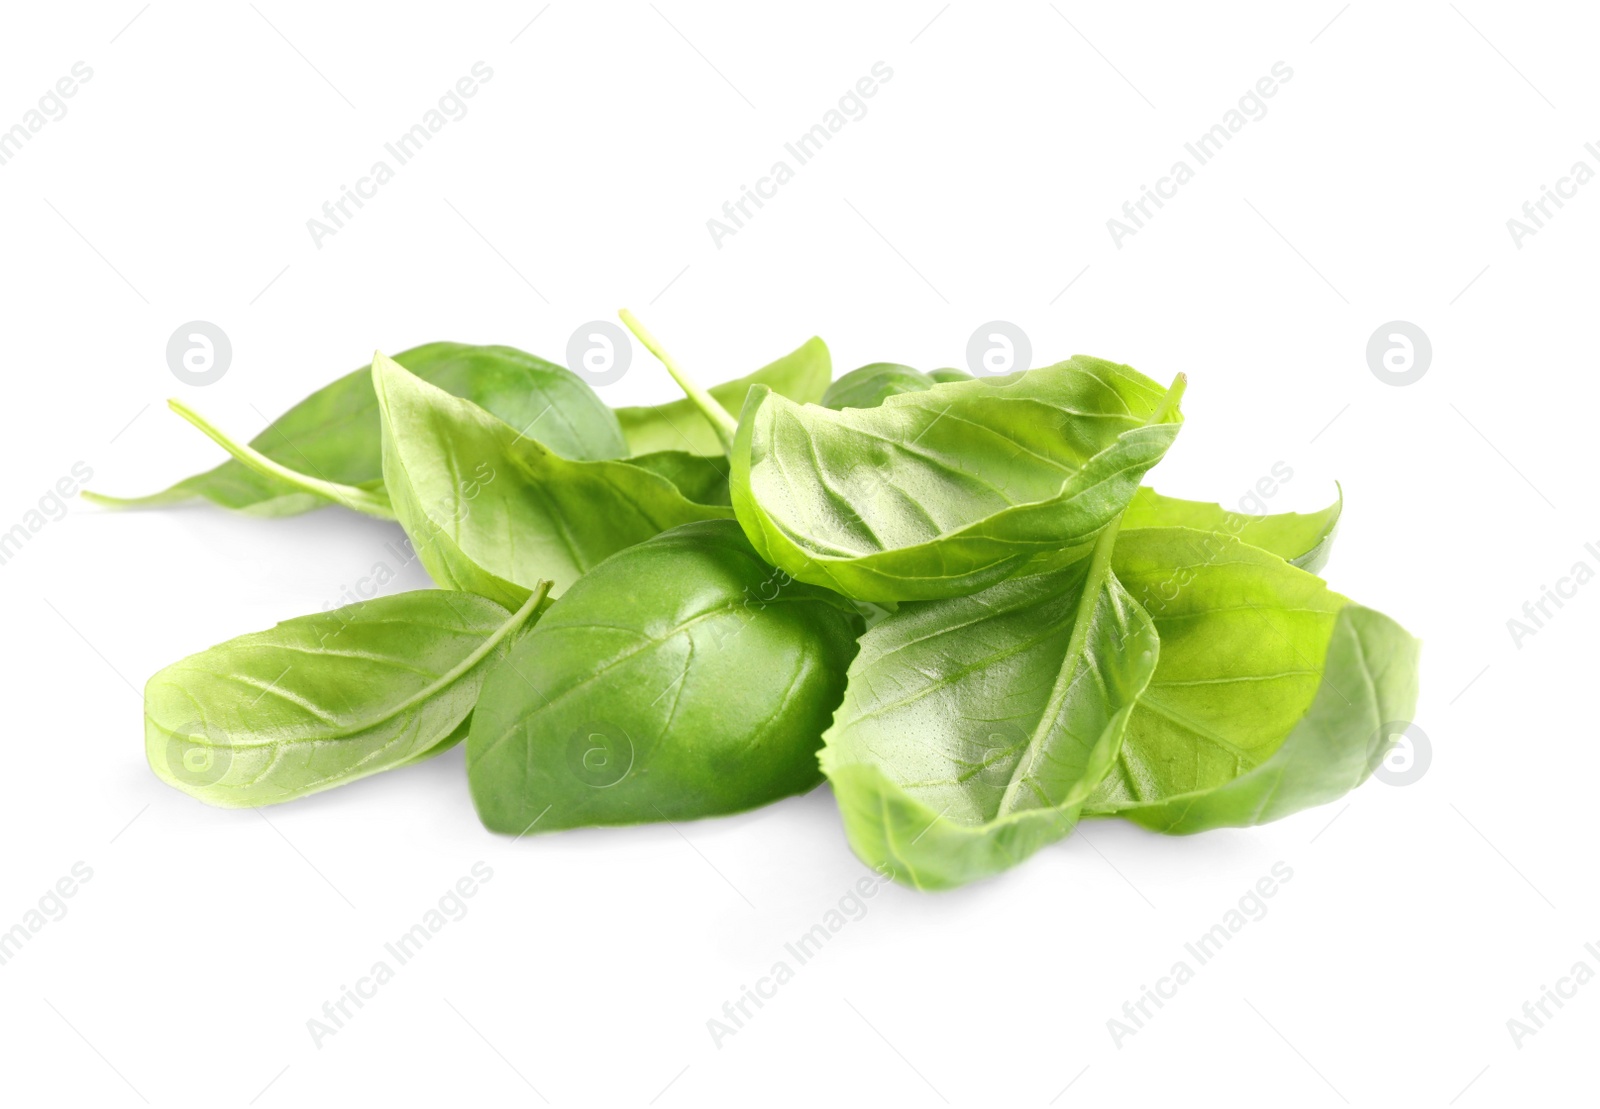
[365,501]
[1170,401]
[721,422]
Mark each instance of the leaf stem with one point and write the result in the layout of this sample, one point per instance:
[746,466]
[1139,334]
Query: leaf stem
[721,422]
[360,500]
[1170,401]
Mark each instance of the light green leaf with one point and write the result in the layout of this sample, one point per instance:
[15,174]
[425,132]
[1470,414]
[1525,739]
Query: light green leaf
[333,435]
[944,492]
[801,375]
[1302,539]
[324,699]
[1272,691]
[493,512]
[973,729]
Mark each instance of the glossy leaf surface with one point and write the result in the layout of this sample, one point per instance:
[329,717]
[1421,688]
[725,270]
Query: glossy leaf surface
[492,512]
[871,385]
[681,678]
[944,492]
[973,729]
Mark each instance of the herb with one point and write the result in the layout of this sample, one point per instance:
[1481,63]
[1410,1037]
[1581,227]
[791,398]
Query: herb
[681,678]
[1272,694]
[950,596]
[871,385]
[974,729]
[1304,539]
[944,492]
[333,435]
[494,512]
[801,375]
[325,699]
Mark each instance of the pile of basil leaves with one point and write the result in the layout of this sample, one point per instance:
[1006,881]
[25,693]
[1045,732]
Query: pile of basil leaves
[953,597]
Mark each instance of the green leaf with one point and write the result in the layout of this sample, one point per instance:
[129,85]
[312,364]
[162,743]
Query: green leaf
[325,699]
[802,376]
[680,678]
[702,478]
[493,512]
[974,729]
[1272,693]
[333,435]
[949,374]
[1302,539]
[870,385]
[945,492]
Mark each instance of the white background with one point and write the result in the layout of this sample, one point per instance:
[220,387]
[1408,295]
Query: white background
[1378,186]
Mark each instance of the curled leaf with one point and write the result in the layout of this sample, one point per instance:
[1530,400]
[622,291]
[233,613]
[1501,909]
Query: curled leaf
[1273,693]
[944,492]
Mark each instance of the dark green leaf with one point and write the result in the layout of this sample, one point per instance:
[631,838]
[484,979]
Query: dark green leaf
[869,386]
[701,478]
[678,679]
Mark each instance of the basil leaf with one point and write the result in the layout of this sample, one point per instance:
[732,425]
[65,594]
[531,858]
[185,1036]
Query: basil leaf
[869,386]
[973,729]
[802,376]
[333,435]
[1302,539]
[680,678]
[945,492]
[324,699]
[701,478]
[493,512]
[1272,693]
